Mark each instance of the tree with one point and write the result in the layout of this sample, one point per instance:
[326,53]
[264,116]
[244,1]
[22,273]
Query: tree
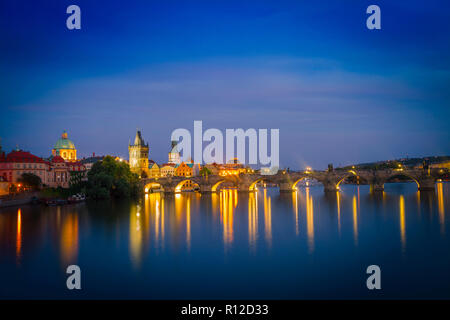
[111,178]
[205,172]
[30,180]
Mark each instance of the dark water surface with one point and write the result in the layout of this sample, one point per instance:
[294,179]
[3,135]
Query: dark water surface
[230,245]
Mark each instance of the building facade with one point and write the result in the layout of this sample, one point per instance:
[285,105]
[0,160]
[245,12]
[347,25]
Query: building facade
[65,148]
[138,155]
[174,154]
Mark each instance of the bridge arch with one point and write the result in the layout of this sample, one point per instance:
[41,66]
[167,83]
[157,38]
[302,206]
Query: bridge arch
[152,186]
[187,183]
[402,174]
[351,173]
[252,186]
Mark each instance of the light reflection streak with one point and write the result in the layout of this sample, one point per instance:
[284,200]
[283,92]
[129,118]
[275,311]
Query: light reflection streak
[310,220]
[253,219]
[402,221]
[338,201]
[295,203]
[267,218]
[355,220]
[69,238]
[440,194]
[228,199]
[19,236]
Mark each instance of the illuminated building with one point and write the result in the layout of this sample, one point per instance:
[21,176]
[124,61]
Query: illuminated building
[153,170]
[138,153]
[167,170]
[65,148]
[174,154]
[232,167]
[54,172]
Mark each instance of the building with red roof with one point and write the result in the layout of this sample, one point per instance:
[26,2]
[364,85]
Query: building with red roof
[54,172]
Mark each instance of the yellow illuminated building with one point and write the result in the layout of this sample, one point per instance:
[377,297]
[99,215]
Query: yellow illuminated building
[138,153]
[65,148]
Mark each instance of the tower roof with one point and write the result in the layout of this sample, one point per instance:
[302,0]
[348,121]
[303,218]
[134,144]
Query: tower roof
[138,140]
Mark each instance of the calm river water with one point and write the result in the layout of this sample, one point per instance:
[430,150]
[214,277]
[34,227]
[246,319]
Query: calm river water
[230,245]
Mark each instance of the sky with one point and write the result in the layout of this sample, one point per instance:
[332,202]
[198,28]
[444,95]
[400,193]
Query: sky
[338,92]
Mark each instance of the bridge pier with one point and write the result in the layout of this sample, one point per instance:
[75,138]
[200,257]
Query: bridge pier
[377,187]
[426,184]
[330,186]
[286,187]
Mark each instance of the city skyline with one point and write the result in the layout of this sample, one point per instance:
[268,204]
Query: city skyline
[339,93]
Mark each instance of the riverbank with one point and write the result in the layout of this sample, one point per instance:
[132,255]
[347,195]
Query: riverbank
[18,199]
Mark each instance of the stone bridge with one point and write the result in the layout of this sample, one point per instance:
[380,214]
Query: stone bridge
[287,180]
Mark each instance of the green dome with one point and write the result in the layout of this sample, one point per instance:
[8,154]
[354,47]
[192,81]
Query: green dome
[64,143]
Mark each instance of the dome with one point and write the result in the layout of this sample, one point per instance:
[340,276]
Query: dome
[64,142]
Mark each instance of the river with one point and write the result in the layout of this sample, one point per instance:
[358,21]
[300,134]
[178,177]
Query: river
[262,245]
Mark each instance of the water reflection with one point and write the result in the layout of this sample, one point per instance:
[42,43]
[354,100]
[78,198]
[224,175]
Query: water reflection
[355,219]
[440,195]
[267,218]
[402,221]
[338,202]
[310,220]
[69,238]
[161,234]
[228,201]
[295,204]
[19,236]
[136,236]
[252,219]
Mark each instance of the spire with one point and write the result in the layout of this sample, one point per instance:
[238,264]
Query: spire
[138,141]
[64,135]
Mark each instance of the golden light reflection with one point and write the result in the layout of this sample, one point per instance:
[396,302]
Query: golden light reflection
[188,223]
[309,220]
[69,238]
[136,236]
[338,201]
[227,205]
[355,219]
[295,203]
[402,221]
[19,235]
[267,218]
[440,194]
[252,219]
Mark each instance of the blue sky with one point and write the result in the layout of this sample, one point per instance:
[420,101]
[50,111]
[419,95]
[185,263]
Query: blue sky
[337,91]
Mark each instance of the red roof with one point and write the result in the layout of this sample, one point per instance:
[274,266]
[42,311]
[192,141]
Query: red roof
[168,164]
[23,156]
[58,159]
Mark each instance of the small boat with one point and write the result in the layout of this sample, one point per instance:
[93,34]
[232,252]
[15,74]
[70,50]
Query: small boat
[76,198]
[55,202]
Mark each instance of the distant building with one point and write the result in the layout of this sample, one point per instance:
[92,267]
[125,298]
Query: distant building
[184,170]
[167,170]
[54,172]
[138,154]
[89,162]
[65,148]
[174,154]
[154,170]
[441,165]
[214,168]
[18,162]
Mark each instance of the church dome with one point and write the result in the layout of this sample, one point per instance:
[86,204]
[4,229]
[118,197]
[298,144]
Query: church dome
[64,142]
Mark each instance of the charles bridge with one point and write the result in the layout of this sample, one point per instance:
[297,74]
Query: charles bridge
[287,180]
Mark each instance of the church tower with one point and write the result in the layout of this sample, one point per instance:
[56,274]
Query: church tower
[138,154]
[174,154]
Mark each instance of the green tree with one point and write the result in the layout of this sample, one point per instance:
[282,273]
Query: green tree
[30,180]
[205,172]
[111,178]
